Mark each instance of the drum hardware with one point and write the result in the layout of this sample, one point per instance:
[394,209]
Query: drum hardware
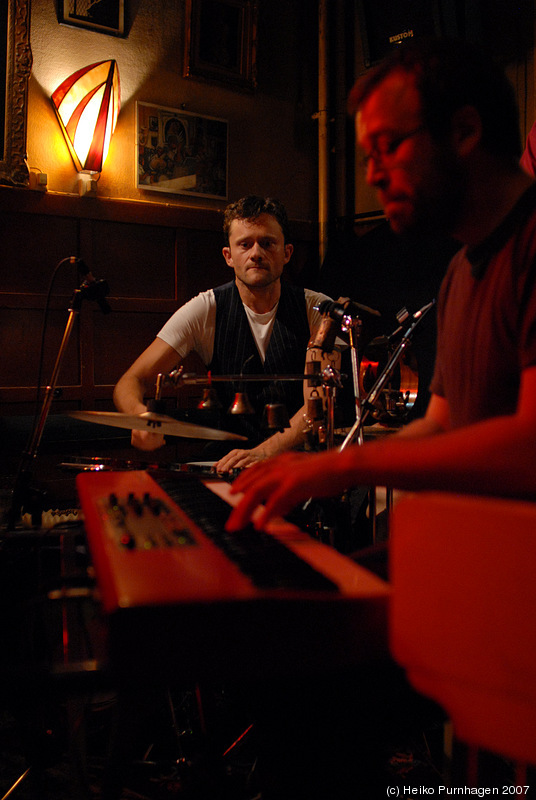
[179,378]
[345,316]
[400,393]
[320,364]
[331,381]
[275,417]
[349,315]
[370,401]
[324,337]
[322,519]
[329,378]
[366,405]
[23,494]
[393,404]
[105,464]
[353,327]
[240,406]
[319,423]
[346,311]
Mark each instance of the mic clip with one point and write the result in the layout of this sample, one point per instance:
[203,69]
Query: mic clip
[90,288]
[345,311]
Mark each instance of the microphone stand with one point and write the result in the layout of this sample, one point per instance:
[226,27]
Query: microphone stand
[23,493]
[384,377]
[369,401]
[349,325]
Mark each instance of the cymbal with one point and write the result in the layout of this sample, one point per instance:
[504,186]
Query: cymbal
[154,423]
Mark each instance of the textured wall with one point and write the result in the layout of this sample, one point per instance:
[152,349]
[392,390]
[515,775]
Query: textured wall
[272,136]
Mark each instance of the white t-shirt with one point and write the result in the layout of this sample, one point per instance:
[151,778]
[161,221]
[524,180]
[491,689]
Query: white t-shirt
[192,327]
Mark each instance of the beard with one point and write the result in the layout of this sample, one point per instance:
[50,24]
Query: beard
[436,206]
[261,279]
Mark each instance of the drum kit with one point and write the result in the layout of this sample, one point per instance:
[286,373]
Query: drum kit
[385,386]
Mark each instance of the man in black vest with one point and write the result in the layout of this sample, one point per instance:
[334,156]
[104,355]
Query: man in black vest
[253,325]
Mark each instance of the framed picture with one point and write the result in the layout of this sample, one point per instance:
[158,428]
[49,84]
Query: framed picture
[103,16]
[221,42]
[180,152]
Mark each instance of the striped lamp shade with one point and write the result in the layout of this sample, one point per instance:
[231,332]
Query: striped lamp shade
[87,104]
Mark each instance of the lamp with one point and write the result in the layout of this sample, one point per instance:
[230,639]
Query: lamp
[87,105]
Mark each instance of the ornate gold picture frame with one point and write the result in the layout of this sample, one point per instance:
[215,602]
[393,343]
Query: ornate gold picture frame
[16,55]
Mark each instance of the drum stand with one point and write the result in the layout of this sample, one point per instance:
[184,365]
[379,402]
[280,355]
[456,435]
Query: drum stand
[23,493]
[369,402]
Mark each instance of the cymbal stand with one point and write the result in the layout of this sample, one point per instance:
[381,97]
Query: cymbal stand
[352,326]
[356,432]
[22,493]
[386,375]
[331,380]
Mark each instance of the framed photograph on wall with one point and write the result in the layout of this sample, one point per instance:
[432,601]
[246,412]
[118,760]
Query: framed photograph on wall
[221,42]
[102,16]
[180,152]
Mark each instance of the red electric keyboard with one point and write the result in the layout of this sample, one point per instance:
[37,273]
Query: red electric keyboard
[185,599]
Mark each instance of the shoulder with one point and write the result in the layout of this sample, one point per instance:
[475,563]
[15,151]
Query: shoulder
[224,290]
[313,299]
[191,326]
[193,310]
[458,270]
[199,304]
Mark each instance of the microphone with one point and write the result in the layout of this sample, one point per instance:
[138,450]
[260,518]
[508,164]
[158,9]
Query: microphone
[94,289]
[348,308]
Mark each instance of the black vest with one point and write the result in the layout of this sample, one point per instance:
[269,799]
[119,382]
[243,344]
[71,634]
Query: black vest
[235,351]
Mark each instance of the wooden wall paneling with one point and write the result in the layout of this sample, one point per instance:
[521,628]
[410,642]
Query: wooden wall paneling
[200,263]
[138,264]
[86,324]
[32,247]
[119,338]
[20,340]
[207,264]
[136,260]
[182,285]
[302,269]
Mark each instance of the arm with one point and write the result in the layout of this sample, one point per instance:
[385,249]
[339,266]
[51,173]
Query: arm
[495,456]
[130,390]
[278,443]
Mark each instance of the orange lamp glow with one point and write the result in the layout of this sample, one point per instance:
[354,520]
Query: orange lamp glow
[87,104]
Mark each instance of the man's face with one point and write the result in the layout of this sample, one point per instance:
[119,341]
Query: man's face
[257,251]
[418,180]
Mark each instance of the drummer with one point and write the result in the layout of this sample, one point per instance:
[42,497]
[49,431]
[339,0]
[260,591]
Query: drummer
[255,324]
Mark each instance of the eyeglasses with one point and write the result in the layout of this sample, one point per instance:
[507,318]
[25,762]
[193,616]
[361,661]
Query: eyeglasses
[384,148]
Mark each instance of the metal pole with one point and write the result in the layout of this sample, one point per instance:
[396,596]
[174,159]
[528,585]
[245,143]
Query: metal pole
[323,133]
